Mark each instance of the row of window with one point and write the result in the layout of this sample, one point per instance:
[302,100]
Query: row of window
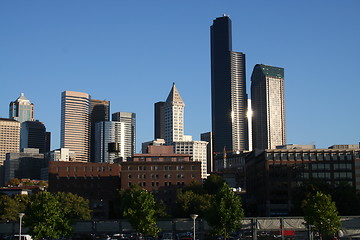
[156,168]
[156,176]
[312,156]
[157,184]
[86,168]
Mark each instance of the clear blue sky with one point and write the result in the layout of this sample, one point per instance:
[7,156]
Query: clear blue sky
[130,52]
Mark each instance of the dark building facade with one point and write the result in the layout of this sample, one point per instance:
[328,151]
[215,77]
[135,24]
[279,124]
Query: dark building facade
[33,135]
[207,137]
[159,120]
[99,111]
[228,90]
[26,164]
[97,182]
[273,174]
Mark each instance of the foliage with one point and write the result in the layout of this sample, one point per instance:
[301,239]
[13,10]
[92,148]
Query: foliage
[345,196]
[74,206]
[190,202]
[13,182]
[9,209]
[321,213]
[213,184]
[160,209]
[226,212]
[195,187]
[139,207]
[45,217]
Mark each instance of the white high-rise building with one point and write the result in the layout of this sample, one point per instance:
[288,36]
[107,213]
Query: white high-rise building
[174,117]
[268,107]
[75,123]
[129,120]
[174,131]
[109,141]
[198,151]
[9,138]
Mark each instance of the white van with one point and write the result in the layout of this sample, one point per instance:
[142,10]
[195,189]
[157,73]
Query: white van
[23,237]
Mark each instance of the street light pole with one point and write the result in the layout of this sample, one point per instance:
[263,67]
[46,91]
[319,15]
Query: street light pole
[20,216]
[194,216]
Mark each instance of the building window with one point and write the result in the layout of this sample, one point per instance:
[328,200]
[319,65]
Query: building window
[129,176]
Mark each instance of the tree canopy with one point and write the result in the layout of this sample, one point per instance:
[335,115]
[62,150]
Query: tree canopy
[139,207]
[74,206]
[226,212]
[321,213]
[45,217]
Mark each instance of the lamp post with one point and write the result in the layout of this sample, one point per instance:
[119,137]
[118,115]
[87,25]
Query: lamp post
[194,216]
[20,216]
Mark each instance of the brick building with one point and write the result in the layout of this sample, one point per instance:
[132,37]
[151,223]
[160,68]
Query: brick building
[97,182]
[160,171]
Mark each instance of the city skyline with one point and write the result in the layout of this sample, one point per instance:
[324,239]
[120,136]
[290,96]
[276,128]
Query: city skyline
[97,49]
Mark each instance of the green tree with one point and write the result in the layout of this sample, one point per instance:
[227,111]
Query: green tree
[74,206]
[45,217]
[9,209]
[189,202]
[226,212]
[139,207]
[321,213]
[213,184]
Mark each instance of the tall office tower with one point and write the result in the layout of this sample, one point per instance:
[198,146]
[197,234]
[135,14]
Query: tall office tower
[109,141]
[228,90]
[174,117]
[99,111]
[75,123]
[159,123]
[33,135]
[21,109]
[249,117]
[268,107]
[129,120]
[9,137]
[207,137]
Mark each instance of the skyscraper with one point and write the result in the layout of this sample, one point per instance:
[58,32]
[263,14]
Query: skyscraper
[75,111]
[9,138]
[99,111]
[109,141]
[33,135]
[228,90]
[21,109]
[159,123]
[129,120]
[174,117]
[268,107]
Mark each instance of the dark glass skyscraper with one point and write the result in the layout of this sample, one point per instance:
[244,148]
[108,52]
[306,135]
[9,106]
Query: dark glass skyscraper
[33,135]
[99,111]
[228,90]
[159,120]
